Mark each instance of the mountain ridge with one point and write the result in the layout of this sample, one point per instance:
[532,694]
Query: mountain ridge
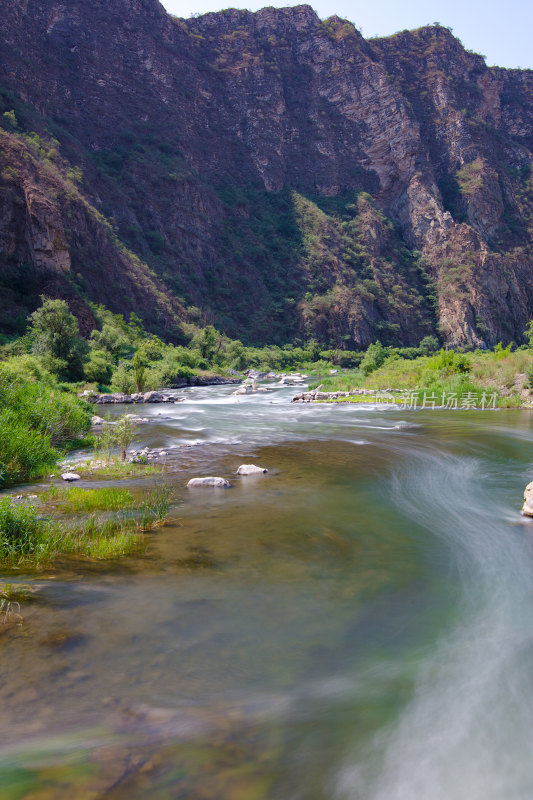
[271,173]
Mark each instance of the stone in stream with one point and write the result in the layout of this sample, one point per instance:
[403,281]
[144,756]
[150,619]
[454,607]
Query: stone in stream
[209,482]
[250,469]
[70,476]
[246,388]
[153,397]
[527,508]
[97,420]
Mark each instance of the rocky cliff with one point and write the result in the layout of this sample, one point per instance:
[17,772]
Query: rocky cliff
[271,173]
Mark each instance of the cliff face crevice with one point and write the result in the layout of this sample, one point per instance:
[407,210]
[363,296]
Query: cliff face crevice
[277,172]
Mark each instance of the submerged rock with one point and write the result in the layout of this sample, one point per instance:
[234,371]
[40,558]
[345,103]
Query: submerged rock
[70,476]
[136,419]
[209,482]
[250,469]
[527,508]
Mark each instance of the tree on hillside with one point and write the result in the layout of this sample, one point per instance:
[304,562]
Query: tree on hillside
[56,339]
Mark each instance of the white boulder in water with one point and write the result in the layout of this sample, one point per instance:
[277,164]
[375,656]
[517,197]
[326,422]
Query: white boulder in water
[70,476]
[246,388]
[527,508]
[209,482]
[250,469]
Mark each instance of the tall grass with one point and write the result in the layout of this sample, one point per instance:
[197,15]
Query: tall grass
[22,533]
[30,538]
[75,500]
[36,419]
[155,506]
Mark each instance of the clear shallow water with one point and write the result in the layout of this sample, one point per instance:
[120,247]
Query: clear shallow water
[355,624]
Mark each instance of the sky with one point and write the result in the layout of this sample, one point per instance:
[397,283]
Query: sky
[500,30]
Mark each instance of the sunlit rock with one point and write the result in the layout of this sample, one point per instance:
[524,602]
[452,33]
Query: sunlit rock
[209,482]
[527,508]
[250,469]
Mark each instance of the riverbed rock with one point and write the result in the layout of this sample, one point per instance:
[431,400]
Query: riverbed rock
[246,388]
[292,380]
[70,476]
[250,469]
[209,483]
[255,375]
[527,508]
[153,397]
[97,420]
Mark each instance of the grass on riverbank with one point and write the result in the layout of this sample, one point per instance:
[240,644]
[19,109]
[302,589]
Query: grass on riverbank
[446,373]
[37,420]
[29,537]
[74,500]
[114,468]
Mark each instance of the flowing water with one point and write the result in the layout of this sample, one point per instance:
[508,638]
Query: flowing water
[354,625]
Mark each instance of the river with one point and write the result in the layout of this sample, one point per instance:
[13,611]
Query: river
[354,625]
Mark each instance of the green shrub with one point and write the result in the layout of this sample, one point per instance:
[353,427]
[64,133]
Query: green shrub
[501,352]
[374,357]
[56,339]
[450,362]
[98,369]
[123,380]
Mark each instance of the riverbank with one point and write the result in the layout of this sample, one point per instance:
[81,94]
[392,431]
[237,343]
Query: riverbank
[497,379]
[100,523]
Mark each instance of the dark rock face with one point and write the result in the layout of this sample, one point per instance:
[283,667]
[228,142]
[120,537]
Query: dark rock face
[279,173]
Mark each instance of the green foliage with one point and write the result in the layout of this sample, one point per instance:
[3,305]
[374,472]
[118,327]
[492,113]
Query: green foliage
[120,434]
[138,364]
[36,418]
[24,453]
[529,333]
[124,434]
[479,372]
[28,537]
[470,177]
[56,339]
[450,362]
[236,355]
[501,352]
[373,358]
[429,344]
[112,340]
[123,379]
[98,368]
[74,500]
[10,119]
[22,533]
[206,342]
